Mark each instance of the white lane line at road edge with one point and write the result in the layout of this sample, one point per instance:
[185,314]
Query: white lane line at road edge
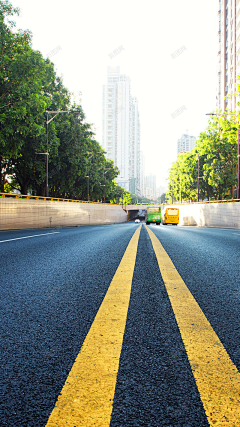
[28,237]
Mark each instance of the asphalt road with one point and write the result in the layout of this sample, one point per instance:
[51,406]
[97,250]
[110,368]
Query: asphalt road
[52,286]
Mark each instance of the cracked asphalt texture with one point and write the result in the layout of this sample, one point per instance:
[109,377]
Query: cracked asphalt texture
[51,289]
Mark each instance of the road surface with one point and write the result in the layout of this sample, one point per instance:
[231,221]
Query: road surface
[120,325]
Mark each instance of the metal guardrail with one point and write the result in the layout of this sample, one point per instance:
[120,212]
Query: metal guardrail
[56,199]
[206,202]
[59,199]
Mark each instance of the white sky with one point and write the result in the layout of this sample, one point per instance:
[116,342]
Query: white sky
[89,30]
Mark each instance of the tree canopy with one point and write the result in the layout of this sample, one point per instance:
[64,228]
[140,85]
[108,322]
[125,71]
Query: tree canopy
[29,86]
[212,162]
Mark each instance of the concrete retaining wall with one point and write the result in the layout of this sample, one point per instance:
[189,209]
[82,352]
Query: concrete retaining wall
[23,213]
[226,215]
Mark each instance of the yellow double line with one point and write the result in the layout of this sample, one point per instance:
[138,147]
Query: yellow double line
[217,378]
[87,396]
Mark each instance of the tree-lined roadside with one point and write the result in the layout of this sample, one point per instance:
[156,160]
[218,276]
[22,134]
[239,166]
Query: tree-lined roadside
[213,162]
[29,86]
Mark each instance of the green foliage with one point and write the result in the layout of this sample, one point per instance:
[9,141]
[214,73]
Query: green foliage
[28,87]
[217,152]
[162,198]
[125,199]
[8,187]
[25,78]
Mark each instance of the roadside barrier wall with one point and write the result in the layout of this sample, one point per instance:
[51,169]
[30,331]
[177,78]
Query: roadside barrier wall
[226,215]
[23,213]
[31,213]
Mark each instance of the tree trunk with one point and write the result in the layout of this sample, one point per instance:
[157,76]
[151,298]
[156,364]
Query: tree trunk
[2,176]
[24,188]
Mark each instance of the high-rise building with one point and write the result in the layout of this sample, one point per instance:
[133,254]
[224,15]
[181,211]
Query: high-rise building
[142,174]
[150,186]
[228,52]
[160,190]
[121,129]
[185,143]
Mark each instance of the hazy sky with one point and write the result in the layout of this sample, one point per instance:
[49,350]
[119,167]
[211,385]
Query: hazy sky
[150,32]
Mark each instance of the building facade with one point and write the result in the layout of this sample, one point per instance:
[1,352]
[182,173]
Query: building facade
[142,174]
[121,129]
[228,53]
[150,186]
[160,190]
[185,143]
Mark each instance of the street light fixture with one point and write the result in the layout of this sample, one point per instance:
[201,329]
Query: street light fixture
[104,181]
[238,155]
[198,176]
[47,153]
[87,176]
[122,198]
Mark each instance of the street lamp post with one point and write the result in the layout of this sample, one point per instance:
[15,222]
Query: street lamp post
[122,198]
[238,189]
[104,181]
[171,189]
[198,179]
[198,176]
[87,176]
[238,155]
[47,153]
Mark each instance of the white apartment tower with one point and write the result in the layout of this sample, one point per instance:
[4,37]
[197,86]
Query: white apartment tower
[150,186]
[134,148]
[142,174]
[185,143]
[228,52]
[121,129]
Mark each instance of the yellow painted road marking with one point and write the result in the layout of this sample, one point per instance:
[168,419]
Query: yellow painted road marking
[87,395]
[216,376]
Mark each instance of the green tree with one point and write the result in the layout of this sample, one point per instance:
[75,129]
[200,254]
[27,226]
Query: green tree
[162,198]
[125,198]
[28,87]
[217,152]
[25,78]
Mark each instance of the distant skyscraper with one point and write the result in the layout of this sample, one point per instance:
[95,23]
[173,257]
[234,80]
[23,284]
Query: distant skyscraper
[150,186]
[142,174]
[228,52]
[185,143]
[121,129]
[160,190]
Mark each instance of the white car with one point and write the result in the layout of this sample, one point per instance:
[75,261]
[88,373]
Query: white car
[137,221]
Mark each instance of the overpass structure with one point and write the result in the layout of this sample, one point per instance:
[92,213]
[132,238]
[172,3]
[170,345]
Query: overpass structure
[133,210]
[134,207]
